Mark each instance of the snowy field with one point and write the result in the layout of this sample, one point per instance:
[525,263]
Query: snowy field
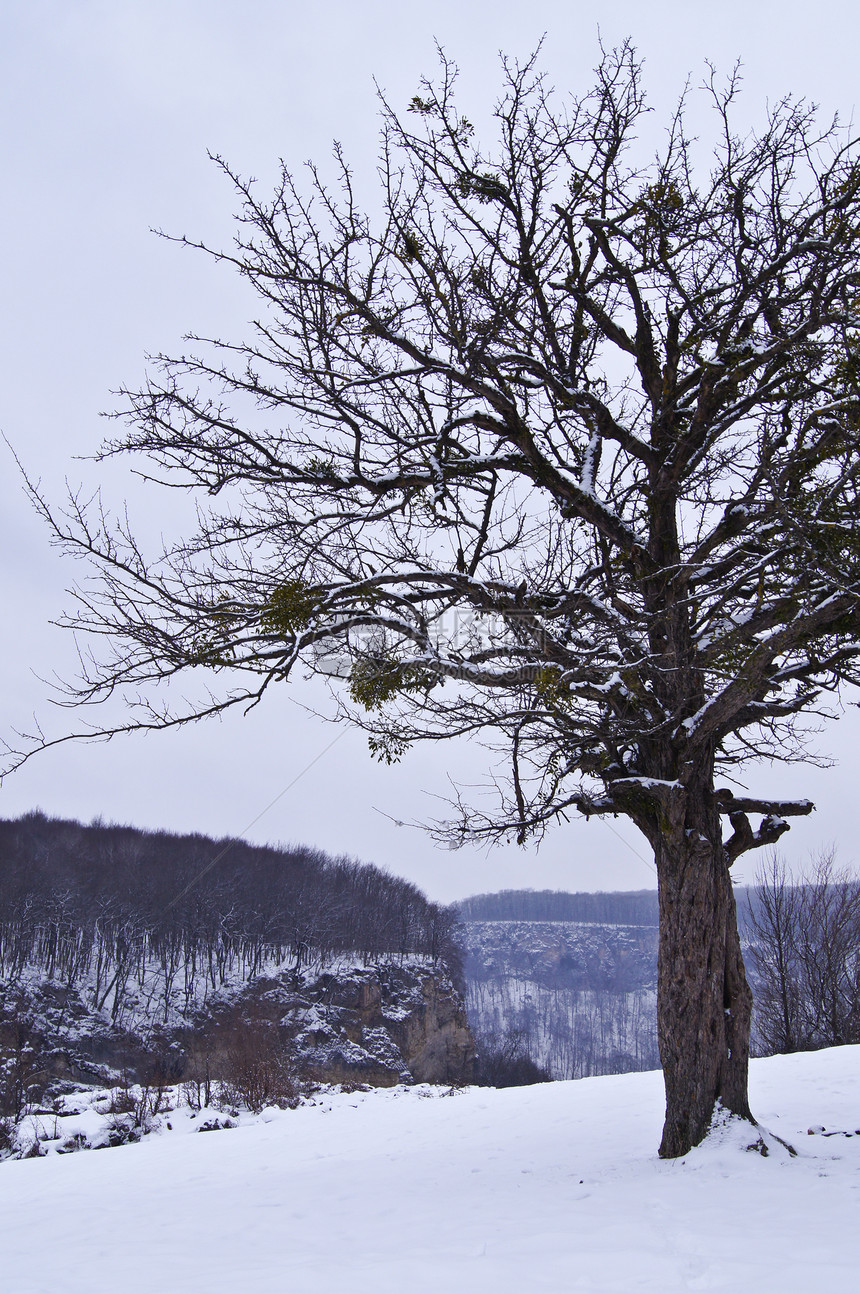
[550,1188]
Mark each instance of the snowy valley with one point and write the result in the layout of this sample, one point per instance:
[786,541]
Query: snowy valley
[567,981]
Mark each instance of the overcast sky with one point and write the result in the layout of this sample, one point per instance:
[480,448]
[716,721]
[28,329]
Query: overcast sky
[108,112]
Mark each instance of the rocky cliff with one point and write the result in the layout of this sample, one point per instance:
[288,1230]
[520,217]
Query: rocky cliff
[387,1022]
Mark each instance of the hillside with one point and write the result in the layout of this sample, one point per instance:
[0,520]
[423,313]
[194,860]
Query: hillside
[157,958]
[566,980]
[549,1188]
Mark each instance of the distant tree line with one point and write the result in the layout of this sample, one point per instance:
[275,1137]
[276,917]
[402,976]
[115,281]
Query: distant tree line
[631,908]
[106,904]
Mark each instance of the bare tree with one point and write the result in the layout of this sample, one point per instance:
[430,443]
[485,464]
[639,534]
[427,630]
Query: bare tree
[806,956]
[774,921]
[560,451]
[829,954]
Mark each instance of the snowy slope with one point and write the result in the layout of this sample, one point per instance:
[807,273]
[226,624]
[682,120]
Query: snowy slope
[548,1188]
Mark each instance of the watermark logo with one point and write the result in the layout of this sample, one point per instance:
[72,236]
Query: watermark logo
[456,634]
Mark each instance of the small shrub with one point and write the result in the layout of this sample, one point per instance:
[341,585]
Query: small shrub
[257,1069]
[122,1099]
[23,1077]
[503,1061]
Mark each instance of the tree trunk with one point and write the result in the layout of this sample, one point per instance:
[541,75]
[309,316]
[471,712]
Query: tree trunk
[704,1003]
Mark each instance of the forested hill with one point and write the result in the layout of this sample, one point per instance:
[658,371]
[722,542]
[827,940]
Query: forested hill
[185,959]
[630,908]
[70,892]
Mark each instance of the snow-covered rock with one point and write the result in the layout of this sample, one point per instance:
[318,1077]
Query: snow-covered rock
[393,1020]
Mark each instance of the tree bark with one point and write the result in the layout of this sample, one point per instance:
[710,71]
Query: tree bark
[704,1003]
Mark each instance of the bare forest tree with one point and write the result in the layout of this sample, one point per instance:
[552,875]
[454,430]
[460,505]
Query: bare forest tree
[805,957]
[561,451]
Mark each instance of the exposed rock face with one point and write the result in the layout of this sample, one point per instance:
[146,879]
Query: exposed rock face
[381,1024]
[435,1036]
[564,954]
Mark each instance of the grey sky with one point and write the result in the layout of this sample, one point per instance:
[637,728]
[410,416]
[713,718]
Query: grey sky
[108,111]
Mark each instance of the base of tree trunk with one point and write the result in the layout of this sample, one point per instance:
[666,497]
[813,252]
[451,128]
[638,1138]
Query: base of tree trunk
[749,1134]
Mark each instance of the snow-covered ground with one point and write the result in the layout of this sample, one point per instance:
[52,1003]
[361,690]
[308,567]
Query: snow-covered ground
[549,1188]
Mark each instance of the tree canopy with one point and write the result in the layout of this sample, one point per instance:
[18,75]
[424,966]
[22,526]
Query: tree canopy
[559,449]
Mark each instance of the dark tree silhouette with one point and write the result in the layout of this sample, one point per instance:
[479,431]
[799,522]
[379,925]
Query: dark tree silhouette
[805,945]
[104,903]
[558,449]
